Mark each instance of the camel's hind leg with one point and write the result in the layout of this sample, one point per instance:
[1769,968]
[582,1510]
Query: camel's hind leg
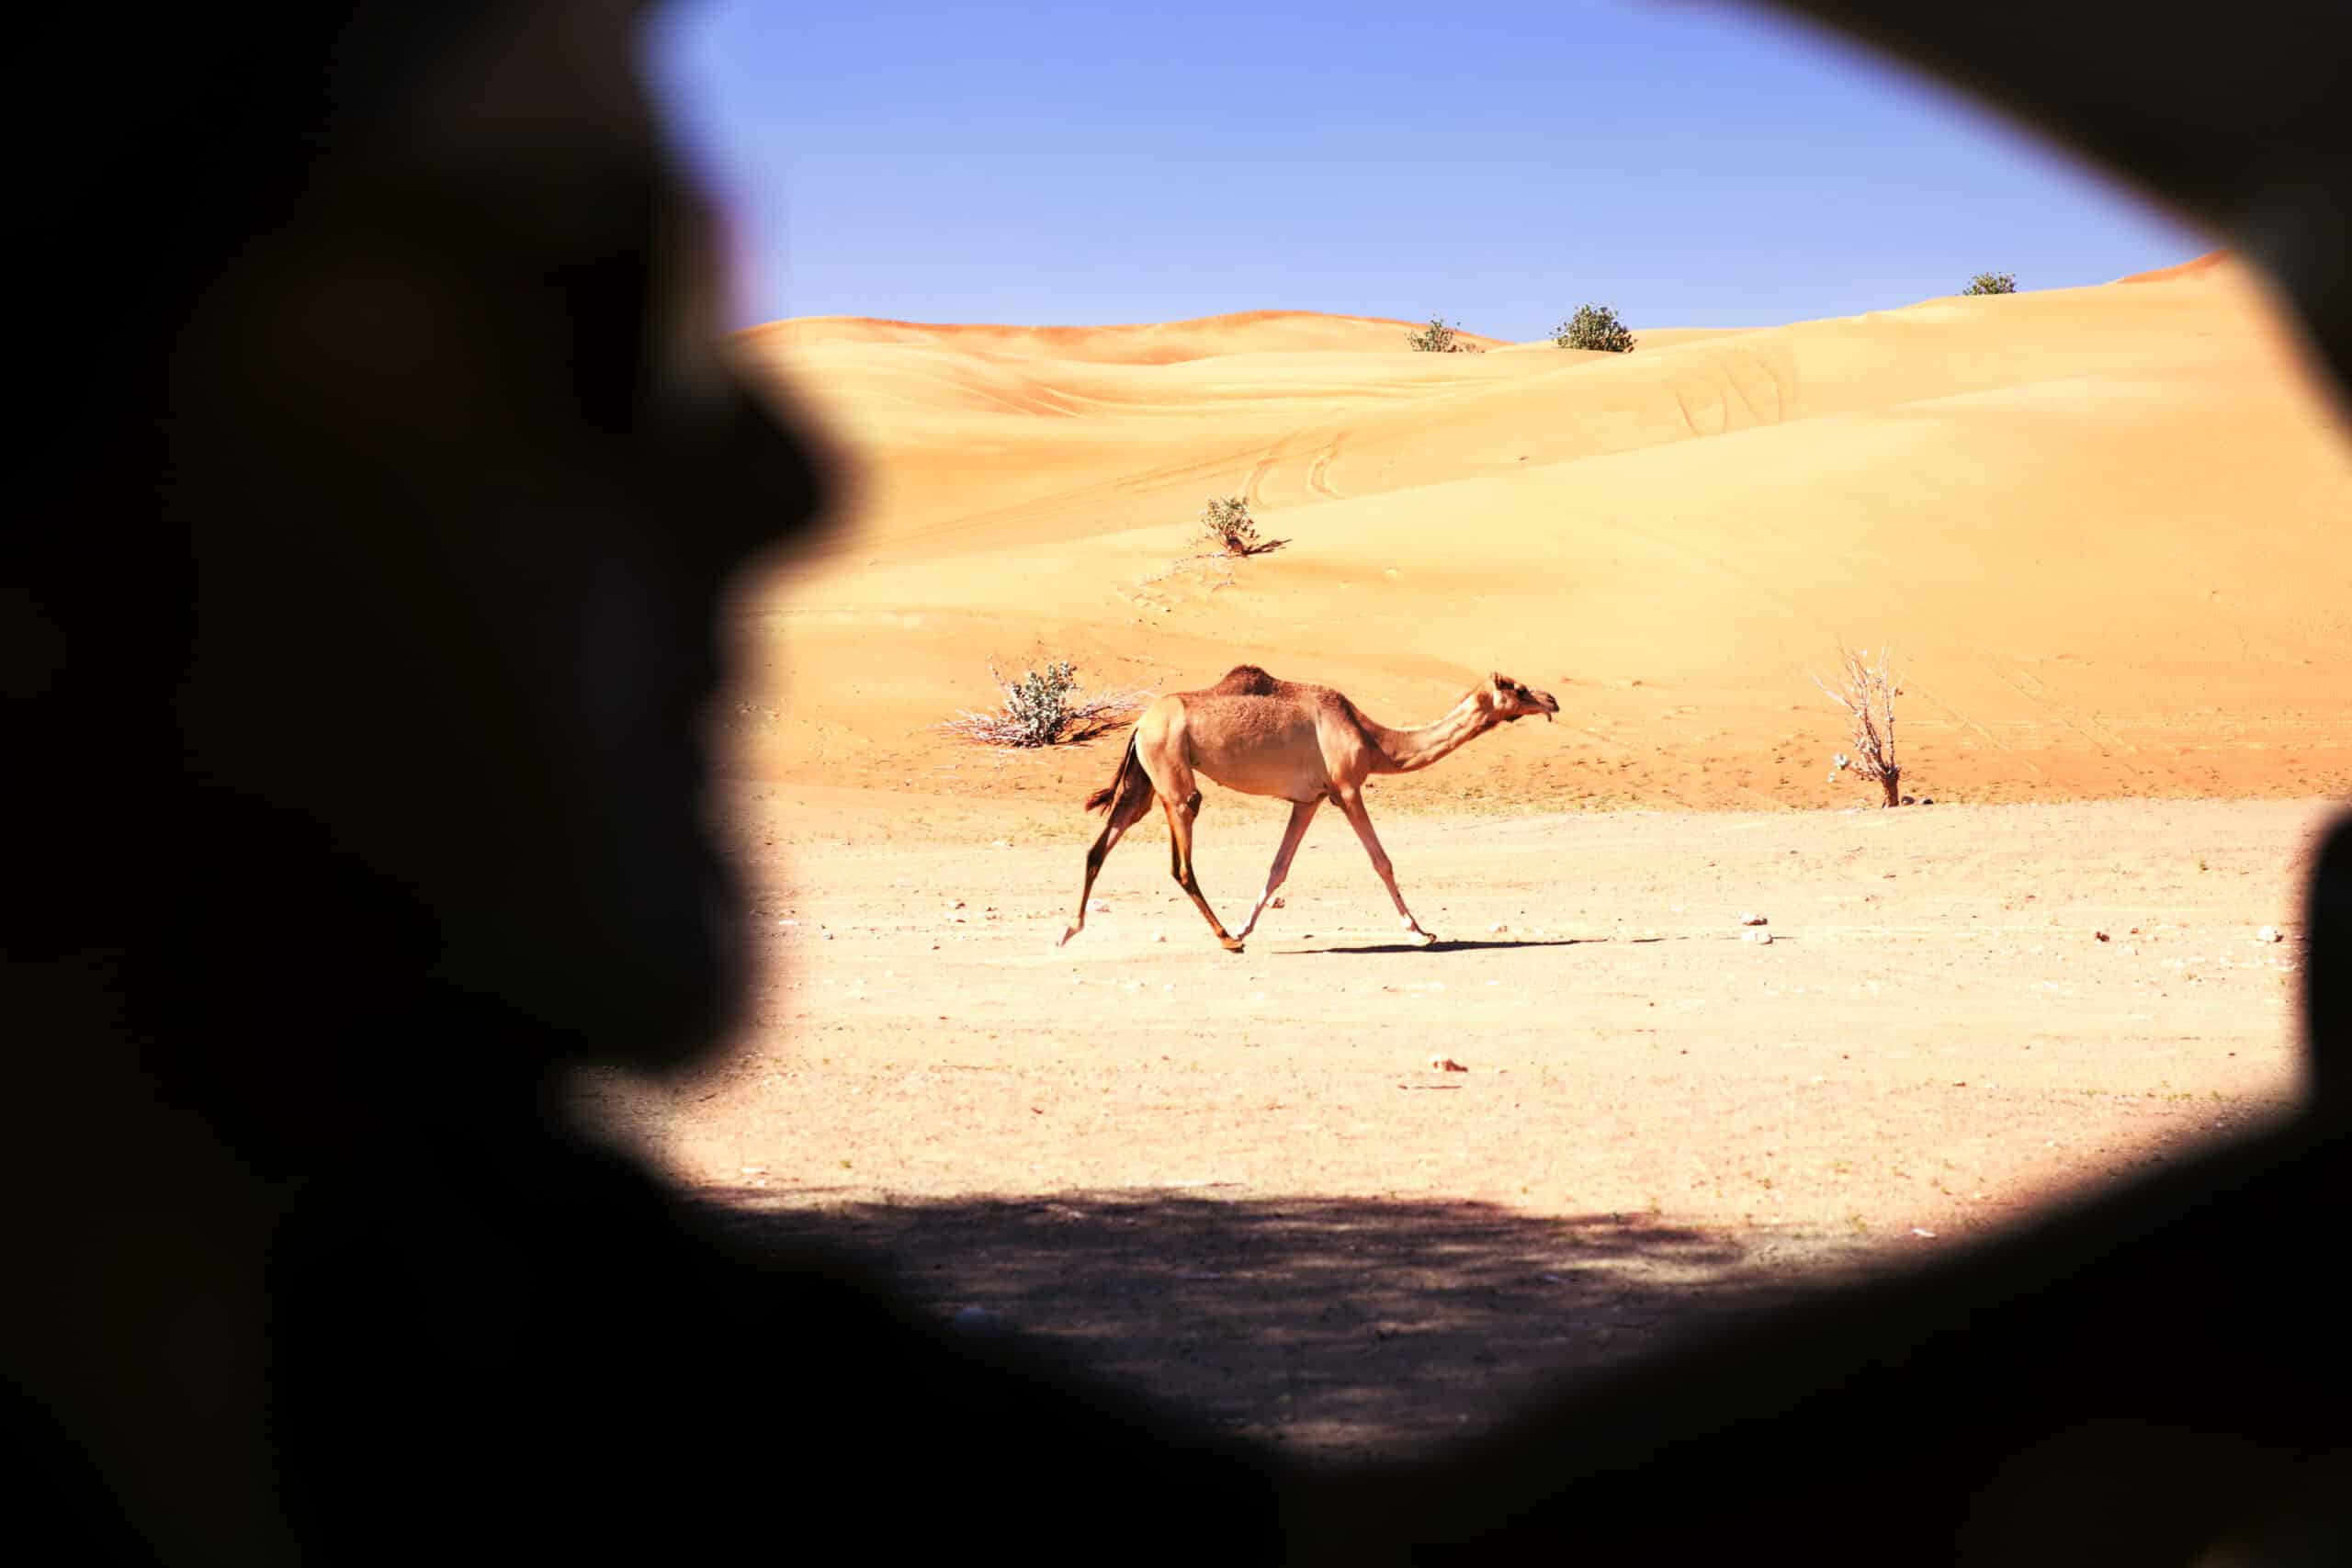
[1301,814]
[1180,862]
[1133,801]
[1352,804]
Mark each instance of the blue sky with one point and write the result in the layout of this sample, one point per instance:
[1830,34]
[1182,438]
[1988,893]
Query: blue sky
[1691,163]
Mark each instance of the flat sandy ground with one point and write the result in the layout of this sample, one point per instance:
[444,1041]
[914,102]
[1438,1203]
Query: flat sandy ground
[1237,1179]
[2105,529]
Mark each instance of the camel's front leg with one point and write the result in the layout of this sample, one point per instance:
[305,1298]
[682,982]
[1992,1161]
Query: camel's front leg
[1301,814]
[1352,804]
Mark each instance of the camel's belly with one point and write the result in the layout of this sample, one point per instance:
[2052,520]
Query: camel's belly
[1291,768]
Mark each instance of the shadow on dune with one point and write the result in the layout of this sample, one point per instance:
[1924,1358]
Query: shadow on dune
[1336,1327]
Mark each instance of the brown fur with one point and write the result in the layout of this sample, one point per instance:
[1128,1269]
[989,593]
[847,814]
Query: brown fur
[1241,681]
[1246,681]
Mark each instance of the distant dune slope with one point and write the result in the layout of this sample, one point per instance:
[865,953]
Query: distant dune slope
[2107,527]
[2197,266]
[1156,343]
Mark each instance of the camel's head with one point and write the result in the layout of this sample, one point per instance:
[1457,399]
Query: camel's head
[1508,699]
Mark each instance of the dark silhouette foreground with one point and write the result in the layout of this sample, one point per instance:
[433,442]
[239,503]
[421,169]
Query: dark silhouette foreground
[365,544]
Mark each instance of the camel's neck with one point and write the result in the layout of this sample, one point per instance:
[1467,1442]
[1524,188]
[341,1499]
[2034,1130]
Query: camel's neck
[1409,750]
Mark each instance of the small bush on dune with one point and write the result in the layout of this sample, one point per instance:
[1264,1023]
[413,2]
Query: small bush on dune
[1226,521]
[1045,707]
[1595,326]
[1992,283]
[1439,338]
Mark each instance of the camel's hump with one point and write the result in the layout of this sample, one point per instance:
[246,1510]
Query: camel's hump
[1250,680]
[1247,681]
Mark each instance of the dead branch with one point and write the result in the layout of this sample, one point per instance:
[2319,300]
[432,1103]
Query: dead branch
[1867,692]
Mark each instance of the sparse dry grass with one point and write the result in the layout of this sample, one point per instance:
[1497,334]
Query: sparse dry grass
[1045,707]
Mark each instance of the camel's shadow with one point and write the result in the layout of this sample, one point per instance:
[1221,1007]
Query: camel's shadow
[1467,944]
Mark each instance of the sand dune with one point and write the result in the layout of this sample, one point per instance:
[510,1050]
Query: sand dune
[1155,343]
[2106,528]
[2196,266]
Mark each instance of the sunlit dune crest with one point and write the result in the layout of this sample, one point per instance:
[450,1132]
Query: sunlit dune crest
[2197,266]
[1160,342]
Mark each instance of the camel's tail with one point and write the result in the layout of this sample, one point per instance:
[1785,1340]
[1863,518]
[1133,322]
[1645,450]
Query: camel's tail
[1101,799]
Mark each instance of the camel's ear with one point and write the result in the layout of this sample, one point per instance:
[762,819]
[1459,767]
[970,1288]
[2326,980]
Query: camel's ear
[1498,680]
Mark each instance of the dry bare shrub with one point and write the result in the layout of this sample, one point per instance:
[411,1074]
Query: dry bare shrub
[1045,707]
[1867,692]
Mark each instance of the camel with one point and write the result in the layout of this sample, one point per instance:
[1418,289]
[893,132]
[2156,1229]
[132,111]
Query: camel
[1305,744]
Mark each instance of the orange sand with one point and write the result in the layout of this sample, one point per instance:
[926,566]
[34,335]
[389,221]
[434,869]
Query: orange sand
[2104,527]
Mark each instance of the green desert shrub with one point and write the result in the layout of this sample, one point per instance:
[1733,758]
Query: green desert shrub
[1992,283]
[1595,326]
[1043,708]
[1225,520]
[1439,338]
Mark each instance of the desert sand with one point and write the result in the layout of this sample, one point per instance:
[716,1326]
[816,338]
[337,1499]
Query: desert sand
[2100,527]
[2103,529]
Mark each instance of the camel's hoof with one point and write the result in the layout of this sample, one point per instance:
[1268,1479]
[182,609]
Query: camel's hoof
[1230,943]
[1068,933]
[1427,938]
